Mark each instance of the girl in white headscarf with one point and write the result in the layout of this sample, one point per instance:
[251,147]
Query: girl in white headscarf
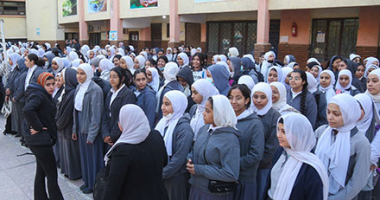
[274,74]
[169,54]
[371,61]
[75,64]
[126,63]
[88,104]
[178,137]
[285,77]
[223,58]
[373,87]
[316,70]
[120,51]
[343,149]
[279,99]
[369,69]
[201,90]
[215,59]
[320,99]
[105,67]
[216,151]
[57,65]
[326,84]
[72,56]
[182,60]
[111,53]
[84,49]
[295,164]
[344,83]
[269,59]
[139,62]
[262,105]
[41,52]
[153,78]
[90,55]
[248,81]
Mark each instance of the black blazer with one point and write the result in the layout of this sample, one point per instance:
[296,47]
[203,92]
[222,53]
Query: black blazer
[109,123]
[135,170]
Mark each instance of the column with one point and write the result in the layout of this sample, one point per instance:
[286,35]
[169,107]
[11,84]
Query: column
[174,24]
[83,27]
[368,33]
[263,24]
[204,37]
[115,21]
[145,35]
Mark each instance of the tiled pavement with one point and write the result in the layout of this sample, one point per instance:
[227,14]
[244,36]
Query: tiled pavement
[17,172]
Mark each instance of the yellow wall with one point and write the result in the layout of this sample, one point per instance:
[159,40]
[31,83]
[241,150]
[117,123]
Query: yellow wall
[67,19]
[190,7]
[126,12]
[104,15]
[181,36]
[304,4]
[14,27]
[42,15]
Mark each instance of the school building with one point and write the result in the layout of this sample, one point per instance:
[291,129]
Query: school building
[302,28]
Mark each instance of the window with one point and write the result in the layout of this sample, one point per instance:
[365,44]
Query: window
[333,37]
[12,8]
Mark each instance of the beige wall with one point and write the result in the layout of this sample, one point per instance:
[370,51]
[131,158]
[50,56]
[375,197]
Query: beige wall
[126,12]
[46,22]
[190,7]
[14,27]
[65,20]
[104,15]
[181,35]
[305,4]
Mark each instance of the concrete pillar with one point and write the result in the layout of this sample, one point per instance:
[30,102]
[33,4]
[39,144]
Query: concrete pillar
[115,22]
[83,27]
[145,38]
[263,24]
[174,24]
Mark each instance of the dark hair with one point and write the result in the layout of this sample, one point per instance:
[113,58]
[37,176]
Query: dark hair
[44,45]
[164,58]
[201,60]
[50,77]
[55,51]
[58,47]
[33,57]
[261,54]
[244,90]
[138,72]
[116,56]
[176,48]
[40,62]
[211,102]
[152,62]
[122,74]
[281,120]
[160,50]
[304,90]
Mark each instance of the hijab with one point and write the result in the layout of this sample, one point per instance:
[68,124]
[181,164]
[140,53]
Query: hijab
[335,155]
[338,86]
[135,127]
[220,78]
[281,105]
[247,80]
[179,104]
[121,51]
[368,68]
[224,114]
[376,97]
[83,86]
[370,61]
[185,59]
[329,90]
[234,52]
[236,62]
[66,62]
[106,65]
[291,65]
[60,64]
[285,73]
[155,84]
[353,56]
[300,136]
[310,60]
[129,62]
[366,103]
[170,72]
[266,65]
[14,57]
[215,58]
[72,56]
[223,58]
[279,73]
[266,89]
[141,60]
[312,84]
[290,58]
[169,55]
[76,63]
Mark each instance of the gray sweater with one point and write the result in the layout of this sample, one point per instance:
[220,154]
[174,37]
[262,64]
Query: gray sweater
[358,165]
[222,152]
[310,105]
[251,146]
[182,141]
[270,133]
[91,112]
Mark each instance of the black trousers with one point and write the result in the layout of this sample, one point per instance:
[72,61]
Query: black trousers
[46,167]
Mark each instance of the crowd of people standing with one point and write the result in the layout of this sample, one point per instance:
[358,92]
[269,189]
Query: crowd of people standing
[164,124]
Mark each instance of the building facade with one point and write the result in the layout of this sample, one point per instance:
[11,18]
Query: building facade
[302,28]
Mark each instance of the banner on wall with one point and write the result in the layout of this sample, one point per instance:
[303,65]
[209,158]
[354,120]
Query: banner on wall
[95,6]
[136,4]
[202,1]
[113,35]
[69,8]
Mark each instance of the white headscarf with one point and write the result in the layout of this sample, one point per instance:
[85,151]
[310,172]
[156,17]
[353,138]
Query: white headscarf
[193,52]
[368,68]
[129,62]
[185,59]
[143,53]
[72,56]
[179,104]
[60,64]
[353,56]
[366,103]
[76,63]
[170,72]
[336,155]
[223,58]
[121,51]
[300,136]
[85,48]
[266,65]
[225,66]
[105,65]
[169,55]
[281,104]
[113,51]
[263,87]
[155,84]
[338,86]
[199,49]
[285,72]
[319,72]
[41,52]
[329,90]
[234,52]
[135,127]
[141,60]
[250,57]
[224,114]
[312,84]
[370,61]
[279,73]
[247,80]
[291,65]
[14,57]
[215,58]
[376,97]
[310,60]
[78,104]
[207,90]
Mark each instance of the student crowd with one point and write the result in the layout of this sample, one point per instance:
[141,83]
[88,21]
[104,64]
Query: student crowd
[162,124]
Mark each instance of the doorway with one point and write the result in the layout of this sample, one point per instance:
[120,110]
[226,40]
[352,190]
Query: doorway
[193,34]
[156,32]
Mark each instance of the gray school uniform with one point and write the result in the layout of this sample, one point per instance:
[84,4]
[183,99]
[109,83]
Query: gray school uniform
[310,105]
[358,165]
[320,98]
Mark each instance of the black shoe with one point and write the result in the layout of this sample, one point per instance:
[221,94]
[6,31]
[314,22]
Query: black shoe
[23,144]
[83,187]
[87,191]
[18,135]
